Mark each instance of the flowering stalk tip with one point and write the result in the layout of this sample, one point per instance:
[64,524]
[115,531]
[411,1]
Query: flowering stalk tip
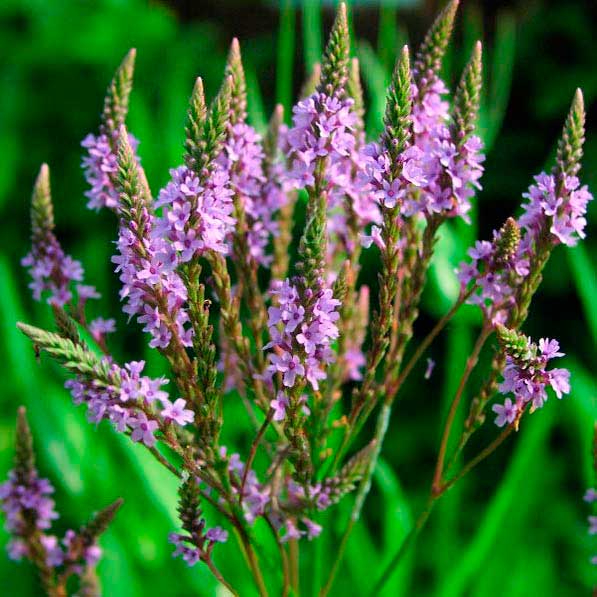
[468,96]
[570,144]
[238,93]
[428,59]
[116,103]
[334,66]
[196,117]
[398,108]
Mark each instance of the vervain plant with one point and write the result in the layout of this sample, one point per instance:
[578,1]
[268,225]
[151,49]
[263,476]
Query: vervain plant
[206,269]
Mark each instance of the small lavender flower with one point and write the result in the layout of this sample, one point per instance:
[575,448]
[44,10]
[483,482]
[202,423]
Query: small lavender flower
[25,500]
[145,262]
[100,164]
[99,327]
[243,159]
[51,270]
[196,217]
[526,375]
[100,167]
[563,207]
[302,327]
[429,369]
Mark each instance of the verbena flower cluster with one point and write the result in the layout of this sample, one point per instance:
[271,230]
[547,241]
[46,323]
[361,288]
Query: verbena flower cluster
[527,378]
[136,404]
[30,512]
[208,269]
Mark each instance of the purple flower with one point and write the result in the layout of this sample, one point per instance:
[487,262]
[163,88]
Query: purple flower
[100,326]
[313,529]
[25,500]
[590,496]
[280,404]
[217,535]
[562,210]
[176,412]
[53,272]
[526,376]
[260,197]
[196,218]
[151,288]
[101,169]
[303,350]
[429,369]
[506,413]
[592,525]
[143,429]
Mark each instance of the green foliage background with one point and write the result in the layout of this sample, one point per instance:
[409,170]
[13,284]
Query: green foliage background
[517,526]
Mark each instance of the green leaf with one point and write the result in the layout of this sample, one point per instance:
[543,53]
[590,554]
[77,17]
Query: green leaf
[585,279]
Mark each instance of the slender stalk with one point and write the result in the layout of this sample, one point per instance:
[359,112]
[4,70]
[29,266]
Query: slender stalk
[250,559]
[163,461]
[479,457]
[365,485]
[253,452]
[283,558]
[294,566]
[392,388]
[470,365]
[219,576]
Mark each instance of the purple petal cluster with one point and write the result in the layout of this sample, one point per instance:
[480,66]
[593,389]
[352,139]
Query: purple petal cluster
[197,217]
[53,272]
[101,169]
[497,280]
[452,174]
[562,208]
[591,497]
[323,127]
[451,169]
[152,288]
[302,327]
[430,111]
[25,500]
[198,547]
[384,191]
[284,506]
[134,403]
[242,158]
[527,378]
[99,327]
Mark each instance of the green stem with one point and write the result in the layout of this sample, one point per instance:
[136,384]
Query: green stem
[470,365]
[365,485]
[294,566]
[219,576]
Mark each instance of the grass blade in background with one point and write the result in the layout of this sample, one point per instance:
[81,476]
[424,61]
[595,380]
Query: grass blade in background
[312,34]
[502,55]
[285,56]
[585,279]
[508,498]
[397,520]
[376,80]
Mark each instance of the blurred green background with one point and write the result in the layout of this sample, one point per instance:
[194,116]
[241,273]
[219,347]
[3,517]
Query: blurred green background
[517,526]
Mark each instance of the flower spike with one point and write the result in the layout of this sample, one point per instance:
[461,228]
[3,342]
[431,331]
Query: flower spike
[571,142]
[428,59]
[116,103]
[334,67]
[468,97]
